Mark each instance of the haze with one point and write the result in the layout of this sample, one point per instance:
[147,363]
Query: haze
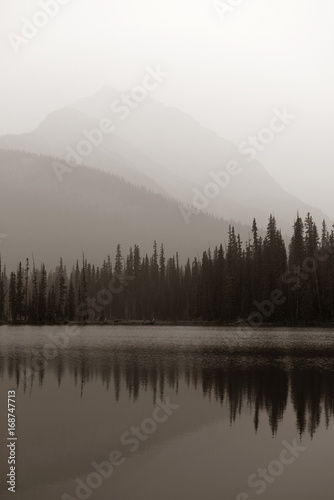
[229,73]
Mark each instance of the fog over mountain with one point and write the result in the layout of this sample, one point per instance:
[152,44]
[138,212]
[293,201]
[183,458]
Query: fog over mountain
[149,144]
[91,212]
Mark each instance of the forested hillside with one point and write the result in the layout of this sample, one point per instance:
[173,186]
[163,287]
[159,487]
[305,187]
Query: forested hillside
[90,211]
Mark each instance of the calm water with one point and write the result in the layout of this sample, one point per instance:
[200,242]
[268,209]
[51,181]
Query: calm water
[184,413]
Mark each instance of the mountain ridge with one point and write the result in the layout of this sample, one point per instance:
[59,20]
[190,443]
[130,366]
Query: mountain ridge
[166,150]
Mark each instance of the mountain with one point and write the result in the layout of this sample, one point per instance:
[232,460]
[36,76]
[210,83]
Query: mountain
[63,129]
[165,150]
[90,211]
[173,139]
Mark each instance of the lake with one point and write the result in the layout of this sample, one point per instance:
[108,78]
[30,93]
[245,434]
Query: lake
[157,413]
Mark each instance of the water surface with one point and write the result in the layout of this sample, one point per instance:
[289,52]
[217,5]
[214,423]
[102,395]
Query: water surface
[235,405]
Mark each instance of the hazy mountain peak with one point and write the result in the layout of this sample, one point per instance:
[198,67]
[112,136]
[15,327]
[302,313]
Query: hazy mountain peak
[164,149]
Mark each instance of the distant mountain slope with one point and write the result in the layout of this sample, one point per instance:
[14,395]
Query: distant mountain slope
[91,211]
[167,151]
[64,128]
[175,140]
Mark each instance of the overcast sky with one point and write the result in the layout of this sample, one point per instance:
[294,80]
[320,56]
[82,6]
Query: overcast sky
[229,71]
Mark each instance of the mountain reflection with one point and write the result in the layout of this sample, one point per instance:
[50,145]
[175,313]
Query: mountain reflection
[255,382]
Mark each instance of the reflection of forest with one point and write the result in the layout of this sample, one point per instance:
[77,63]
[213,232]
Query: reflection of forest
[261,383]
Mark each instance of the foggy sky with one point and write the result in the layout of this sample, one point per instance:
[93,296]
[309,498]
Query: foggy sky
[229,73]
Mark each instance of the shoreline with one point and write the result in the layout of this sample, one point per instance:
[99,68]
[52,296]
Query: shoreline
[174,323]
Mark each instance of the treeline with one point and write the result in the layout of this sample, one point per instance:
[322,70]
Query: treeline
[256,282]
